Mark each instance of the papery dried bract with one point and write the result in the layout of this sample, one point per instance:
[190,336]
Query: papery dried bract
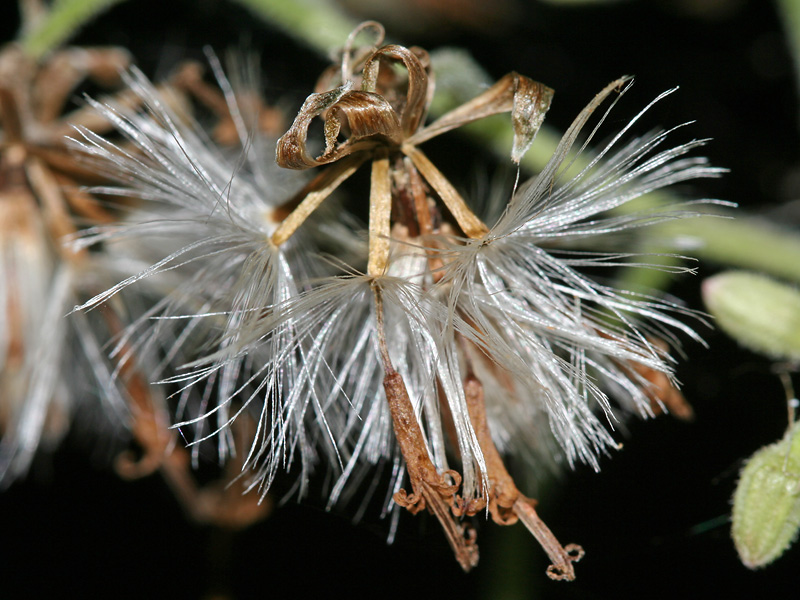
[381,119]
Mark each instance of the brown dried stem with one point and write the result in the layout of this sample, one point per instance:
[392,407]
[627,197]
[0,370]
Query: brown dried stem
[470,224]
[661,392]
[324,185]
[506,503]
[431,489]
[222,504]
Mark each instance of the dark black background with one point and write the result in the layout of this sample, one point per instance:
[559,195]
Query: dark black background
[653,522]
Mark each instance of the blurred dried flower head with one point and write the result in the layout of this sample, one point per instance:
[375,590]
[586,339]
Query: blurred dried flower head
[48,365]
[442,344]
[53,370]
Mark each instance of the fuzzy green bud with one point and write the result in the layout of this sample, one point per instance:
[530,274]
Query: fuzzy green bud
[766,504]
[757,311]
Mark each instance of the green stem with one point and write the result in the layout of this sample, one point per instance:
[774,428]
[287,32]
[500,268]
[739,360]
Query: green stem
[746,242]
[736,240]
[65,18]
[790,16]
[319,24]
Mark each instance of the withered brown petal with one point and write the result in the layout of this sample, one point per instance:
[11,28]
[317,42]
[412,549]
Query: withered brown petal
[531,103]
[366,115]
[413,111]
[527,100]
[353,57]
[291,151]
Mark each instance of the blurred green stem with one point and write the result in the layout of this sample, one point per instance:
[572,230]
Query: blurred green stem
[747,242]
[725,237]
[319,24]
[789,11]
[61,23]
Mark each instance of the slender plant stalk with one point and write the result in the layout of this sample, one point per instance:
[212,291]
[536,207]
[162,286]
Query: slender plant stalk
[789,10]
[749,242]
[65,18]
[319,24]
[724,238]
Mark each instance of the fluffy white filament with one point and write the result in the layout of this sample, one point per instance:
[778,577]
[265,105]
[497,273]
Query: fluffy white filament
[291,339]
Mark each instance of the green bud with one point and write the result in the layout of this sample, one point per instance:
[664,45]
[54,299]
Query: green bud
[760,313]
[766,504]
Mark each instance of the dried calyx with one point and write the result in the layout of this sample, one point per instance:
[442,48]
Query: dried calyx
[383,122]
[373,111]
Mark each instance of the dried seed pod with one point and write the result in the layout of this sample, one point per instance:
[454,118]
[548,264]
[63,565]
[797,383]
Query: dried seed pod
[766,505]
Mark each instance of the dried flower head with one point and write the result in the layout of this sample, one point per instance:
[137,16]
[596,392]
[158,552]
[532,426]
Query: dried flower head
[48,366]
[53,371]
[443,344]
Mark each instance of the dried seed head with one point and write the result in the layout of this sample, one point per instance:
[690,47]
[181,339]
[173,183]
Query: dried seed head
[450,341]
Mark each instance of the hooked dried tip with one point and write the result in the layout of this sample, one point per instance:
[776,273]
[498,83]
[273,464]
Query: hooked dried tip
[506,504]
